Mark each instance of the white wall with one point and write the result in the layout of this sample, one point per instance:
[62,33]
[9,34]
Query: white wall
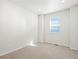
[68,28]
[62,37]
[18,27]
[41,28]
[74,27]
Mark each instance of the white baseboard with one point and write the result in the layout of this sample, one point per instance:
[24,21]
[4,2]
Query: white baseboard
[13,50]
[27,46]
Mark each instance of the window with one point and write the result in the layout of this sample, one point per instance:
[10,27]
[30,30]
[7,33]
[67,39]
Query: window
[55,24]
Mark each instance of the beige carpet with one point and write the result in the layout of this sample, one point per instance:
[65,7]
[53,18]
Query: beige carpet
[42,51]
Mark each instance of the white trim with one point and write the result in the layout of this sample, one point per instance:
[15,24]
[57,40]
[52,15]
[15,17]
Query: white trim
[13,50]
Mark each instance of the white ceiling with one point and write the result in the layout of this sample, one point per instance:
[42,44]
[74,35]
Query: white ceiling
[44,6]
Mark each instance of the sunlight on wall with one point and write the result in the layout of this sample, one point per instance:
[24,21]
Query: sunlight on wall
[32,43]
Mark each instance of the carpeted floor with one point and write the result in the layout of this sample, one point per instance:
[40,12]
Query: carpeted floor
[42,51]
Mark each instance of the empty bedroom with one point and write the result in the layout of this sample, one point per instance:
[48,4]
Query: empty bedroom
[38,29]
